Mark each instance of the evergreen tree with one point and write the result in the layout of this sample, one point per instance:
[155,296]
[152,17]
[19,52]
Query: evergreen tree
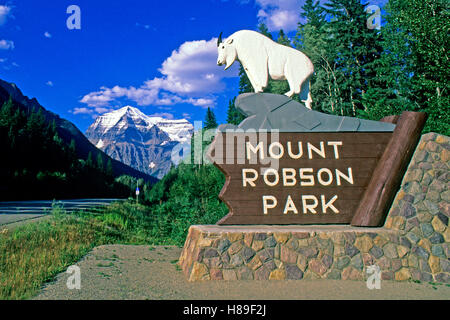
[210,119]
[262,28]
[100,165]
[89,161]
[109,168]
[72,149]
[233,114]
[312,38]
[283,39]
[36,160]
[357,49]
[414,70]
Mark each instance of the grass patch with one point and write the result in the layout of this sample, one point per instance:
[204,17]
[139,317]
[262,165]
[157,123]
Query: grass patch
[107,265]
[35,253]
[104,275]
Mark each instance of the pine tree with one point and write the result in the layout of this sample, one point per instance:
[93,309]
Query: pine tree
[89,161]
[414,70]
[283,39]
[262,28]
[210,119]
[109,168]
[6,112]
[233,114]
[100,165]
[357,48]
[72,148]
[312,38]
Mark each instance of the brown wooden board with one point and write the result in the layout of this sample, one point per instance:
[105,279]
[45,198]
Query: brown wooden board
[325,202]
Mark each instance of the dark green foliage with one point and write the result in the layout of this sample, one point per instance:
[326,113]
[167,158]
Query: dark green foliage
[414,70]
[283,39]
[89,162]
[187,195]
[373,73]
[210,120]
[233,114]
[313,39]
[37,164]
[109,168]
[355,50]
[130,183]
[100,165]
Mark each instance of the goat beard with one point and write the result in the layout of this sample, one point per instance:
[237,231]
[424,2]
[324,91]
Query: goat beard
[229,63]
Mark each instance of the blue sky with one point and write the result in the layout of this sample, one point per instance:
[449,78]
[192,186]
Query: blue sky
[159,56]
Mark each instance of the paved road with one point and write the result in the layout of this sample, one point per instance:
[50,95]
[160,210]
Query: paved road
[16,211]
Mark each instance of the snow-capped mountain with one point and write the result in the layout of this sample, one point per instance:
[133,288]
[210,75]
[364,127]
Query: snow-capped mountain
[140,141]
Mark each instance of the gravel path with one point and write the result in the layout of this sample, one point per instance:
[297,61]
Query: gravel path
[146,272]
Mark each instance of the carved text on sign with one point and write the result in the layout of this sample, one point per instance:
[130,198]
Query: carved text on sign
[295,177]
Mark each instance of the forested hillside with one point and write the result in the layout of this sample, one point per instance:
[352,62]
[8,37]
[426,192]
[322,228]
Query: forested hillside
[37,164]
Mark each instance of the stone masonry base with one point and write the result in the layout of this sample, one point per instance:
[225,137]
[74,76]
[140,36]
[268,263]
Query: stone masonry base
[414,243]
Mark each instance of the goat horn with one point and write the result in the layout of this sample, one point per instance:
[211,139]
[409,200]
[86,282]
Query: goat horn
[219,40]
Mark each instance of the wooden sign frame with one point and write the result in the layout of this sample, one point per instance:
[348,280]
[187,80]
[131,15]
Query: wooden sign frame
[356,174]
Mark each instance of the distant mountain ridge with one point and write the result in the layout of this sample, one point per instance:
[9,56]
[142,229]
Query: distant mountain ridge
[138,140]
[66,130]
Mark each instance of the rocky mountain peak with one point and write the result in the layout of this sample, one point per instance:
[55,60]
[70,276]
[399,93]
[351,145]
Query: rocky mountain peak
[138,140]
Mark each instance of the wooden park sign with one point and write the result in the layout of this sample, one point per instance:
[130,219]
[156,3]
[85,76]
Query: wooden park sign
[318,169]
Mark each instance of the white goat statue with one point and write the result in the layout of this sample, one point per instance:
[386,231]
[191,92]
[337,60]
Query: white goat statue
[261,57]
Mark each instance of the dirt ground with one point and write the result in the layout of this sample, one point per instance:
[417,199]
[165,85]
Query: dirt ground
[145,272]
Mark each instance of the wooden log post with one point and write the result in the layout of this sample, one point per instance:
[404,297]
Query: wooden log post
[390,119]
[390,170]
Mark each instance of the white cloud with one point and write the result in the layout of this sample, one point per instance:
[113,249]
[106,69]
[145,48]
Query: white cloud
[3,60]
[47,34]
[190,75]
[186,116]
[82,110]
[6,45]
[49,83]
[164,115]
[101,110]
[5,12]
[280,14]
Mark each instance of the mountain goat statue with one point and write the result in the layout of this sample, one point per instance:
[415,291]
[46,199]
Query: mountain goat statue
[262,57]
